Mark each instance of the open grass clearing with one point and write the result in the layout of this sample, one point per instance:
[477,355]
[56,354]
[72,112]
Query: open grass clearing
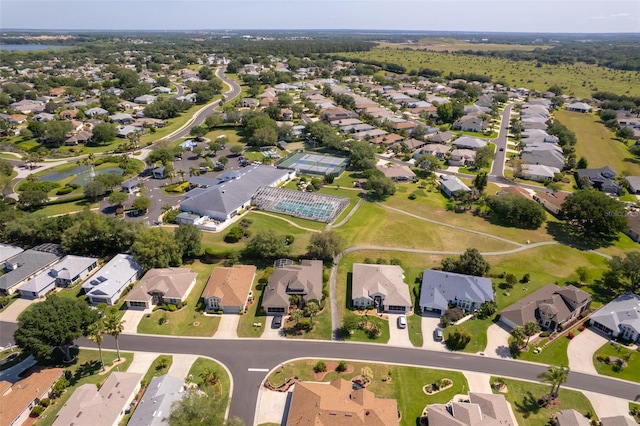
[578,80]
[183,321]
[444,44]
[630,372]
[524,396]
[598,144]
[405,385]
[85,369]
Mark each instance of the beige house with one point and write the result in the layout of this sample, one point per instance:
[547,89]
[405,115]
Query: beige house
[482,409]
[106,406]
[338,404]
[229,289]
[166,285]
[397,172]
[381,286]
[17,399]
[304,280]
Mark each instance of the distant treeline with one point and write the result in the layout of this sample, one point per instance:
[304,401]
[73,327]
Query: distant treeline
[616,56]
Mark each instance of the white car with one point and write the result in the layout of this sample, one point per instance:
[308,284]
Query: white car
[402,321]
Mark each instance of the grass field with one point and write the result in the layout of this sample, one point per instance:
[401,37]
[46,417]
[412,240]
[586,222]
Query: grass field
[523,397]
[577,80]
[630,372]
[181,322]
[598,144]
[405,386]
[85,369]
[443,44]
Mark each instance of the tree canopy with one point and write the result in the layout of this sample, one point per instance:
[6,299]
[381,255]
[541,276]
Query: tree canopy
[595,213]
[53,323]
[325,245]
[470,262]
[517,211]
[156,248]
[268,245]
[189,240]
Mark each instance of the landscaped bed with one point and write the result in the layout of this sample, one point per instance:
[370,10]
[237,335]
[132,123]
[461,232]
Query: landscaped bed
[617,361]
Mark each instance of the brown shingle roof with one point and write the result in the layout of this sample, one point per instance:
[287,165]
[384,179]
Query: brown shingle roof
[230,285]
[337,404]
[173,283]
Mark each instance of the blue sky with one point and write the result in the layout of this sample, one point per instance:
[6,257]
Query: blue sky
[588,16]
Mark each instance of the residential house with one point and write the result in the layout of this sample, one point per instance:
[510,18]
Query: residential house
[617,421]
[381,286]
[471,124]
[249,103]
[338,403]
[481,409]
[229,289]
[304,280]
[161,90]
[634,184]
[551,307]
[7,251]
[89,405]
[145,99]
[82,137]
[27,106]
[62,274]
[551,201]
[450,185]
[166,285]
[387,140]
[23,266]
[570,418]
[440,289]
[121,118]
[441,137]
[602,179]
[462,157]
[397,172]
[149,122]
[287,114]
[435,149]
[578,107]
[224,200]
[413,144]
[620,317]
[56,92]
[466,142]
[155,404]
[43,117]
[539,172]
[107,286]
[546,156]
[125,131]
[93,112]
[17,399]
[337,113]
[633,232]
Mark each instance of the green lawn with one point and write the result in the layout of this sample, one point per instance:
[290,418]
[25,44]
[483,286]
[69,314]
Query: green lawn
[578,80]
[254,313]
[555,353]
[67,208]
[181,322]
[478,330]
[361,335]
[598,144]
[321,328]
[630,372]
[414,324]
[157,369]
[221,390]
[524,396]
[634,409]
[405,385]
[85,369]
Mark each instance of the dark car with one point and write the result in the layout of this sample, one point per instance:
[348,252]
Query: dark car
[277,321]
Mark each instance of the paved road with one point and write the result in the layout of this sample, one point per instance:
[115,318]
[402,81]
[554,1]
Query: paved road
[241,354]
[497,169]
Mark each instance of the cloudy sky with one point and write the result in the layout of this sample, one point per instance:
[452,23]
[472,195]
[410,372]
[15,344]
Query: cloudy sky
[562,16]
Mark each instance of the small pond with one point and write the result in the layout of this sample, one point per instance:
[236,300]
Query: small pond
[83,174]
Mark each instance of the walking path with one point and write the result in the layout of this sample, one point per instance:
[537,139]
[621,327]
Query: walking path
[581,349]
[348,216]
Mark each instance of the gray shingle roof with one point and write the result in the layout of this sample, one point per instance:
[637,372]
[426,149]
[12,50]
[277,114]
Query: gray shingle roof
[156,402]
[28,263]
[439,287]
[625,309]
[112,277]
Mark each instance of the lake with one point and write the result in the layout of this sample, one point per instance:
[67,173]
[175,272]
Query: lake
[27,47]
[82,177]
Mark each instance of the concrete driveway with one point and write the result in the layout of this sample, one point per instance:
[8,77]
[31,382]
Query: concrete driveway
[608,406]
[271,406]
[228,327]
[273,333]
[181,365]
[430,322]
[398,336]
[497,342]
[581,349]
[132,318]
[10,314]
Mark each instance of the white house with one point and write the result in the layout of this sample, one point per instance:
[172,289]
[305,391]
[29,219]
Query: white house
[620,317]
[107,286]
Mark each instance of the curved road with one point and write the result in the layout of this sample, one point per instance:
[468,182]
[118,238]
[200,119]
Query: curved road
[243,354]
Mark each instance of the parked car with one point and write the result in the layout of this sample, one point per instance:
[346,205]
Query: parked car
[402,321]
[438,334]
[277,321]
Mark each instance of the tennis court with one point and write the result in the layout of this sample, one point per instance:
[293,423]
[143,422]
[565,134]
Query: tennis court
[314,164]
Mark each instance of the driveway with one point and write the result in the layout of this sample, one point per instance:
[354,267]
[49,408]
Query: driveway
[478,382]
[132,318]
[430,322]
[607,406]
[497,342]
[398,336]
[271,406]
[181,365]
[273,333]
[228,327]
[581,349]
[11,313]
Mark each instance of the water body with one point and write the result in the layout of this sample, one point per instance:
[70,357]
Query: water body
[84,174]
[28,47]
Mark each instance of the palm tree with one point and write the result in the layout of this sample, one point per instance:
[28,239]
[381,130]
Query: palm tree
[518,335]
[530,329]
[114,326]
[94,333]
[181,173]
[209,376]
[555,376]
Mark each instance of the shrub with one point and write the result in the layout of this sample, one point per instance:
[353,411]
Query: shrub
[544,334]
[342,367]
[45,402]
[64,190]
[320,367]
[581,328]
[602,358]
[458,340]
[413,196]
[235,234]
[60,386]
[36,411]
[453,314]
[289,239]
[571,335]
